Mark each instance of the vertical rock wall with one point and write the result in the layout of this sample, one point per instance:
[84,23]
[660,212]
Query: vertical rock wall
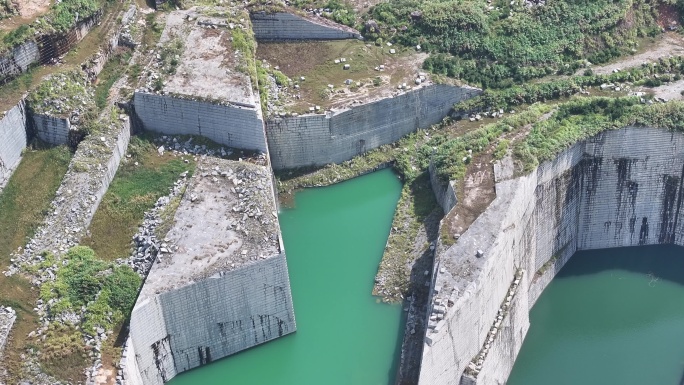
[18,59]
[210,319]
[43,49]
[445,193]
[316,140]
[13,139]
[51,129]
[619,188]
[230,125]
[286,26]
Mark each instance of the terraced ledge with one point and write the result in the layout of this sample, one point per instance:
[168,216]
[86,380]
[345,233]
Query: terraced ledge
[91,170]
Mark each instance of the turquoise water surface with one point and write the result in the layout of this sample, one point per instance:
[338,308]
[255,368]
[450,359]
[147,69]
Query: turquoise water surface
[611,316]
[334,240]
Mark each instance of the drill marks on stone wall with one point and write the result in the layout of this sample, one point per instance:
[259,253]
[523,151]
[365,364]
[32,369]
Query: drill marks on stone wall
[162,352]
[672,201]
[626,195]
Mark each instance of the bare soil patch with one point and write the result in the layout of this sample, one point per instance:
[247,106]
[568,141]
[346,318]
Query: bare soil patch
[667,15]
[474,195]
[29,10]
[671,44]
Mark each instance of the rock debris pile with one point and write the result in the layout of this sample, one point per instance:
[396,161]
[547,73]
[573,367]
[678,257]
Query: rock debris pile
[64,95]
[7,317]
[475,365]
[89,174]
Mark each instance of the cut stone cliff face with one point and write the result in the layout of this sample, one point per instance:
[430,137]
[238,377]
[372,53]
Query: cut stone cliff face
[619,188]
[221,284]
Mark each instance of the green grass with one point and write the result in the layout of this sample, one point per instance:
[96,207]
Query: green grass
[40,173]
[112,71]
[134,190]
[581,118]
[513,43]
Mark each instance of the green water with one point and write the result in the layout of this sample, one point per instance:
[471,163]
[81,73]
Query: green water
[334,240]
[609,317]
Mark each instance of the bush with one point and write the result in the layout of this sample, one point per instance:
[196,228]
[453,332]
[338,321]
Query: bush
[495,48]
[122,286]
[81,277]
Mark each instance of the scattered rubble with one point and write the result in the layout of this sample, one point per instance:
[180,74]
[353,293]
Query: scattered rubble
[7,317]
[475,365]
[235,204]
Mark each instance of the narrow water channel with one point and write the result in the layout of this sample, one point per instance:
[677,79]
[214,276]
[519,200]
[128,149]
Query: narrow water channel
[611,316]
[334,238]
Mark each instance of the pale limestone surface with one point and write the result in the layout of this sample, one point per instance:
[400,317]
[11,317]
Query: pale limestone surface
[226,219]
[208,66]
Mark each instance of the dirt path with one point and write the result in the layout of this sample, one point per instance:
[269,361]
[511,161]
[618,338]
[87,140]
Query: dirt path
[671,44]
[669,91]
[478,189]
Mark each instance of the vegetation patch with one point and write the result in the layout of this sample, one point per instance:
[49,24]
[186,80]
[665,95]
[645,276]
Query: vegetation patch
[111,72]
[143,177]
[452,156]
[107,291]
[40,172]
[93,295]
[8,8]
[650,74]
[67,13]
[498,43]
[62,17]
[63,353]
[581,118]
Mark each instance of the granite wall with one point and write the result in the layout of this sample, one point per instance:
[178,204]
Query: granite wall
[51,129]
[315,140]
[287,26]
[619,188]
[43,48]
[445,193]
[223,314]
[18,59]
[237,126]
[13,139]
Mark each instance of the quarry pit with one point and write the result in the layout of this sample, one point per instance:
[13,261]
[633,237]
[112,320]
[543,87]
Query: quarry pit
[219,282]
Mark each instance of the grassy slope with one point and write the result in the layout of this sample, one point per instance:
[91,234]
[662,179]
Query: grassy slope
[134,190]
[39,172]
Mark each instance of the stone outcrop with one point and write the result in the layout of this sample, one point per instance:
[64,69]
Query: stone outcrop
[316,140]
[445,193]
[215,289]
[288,26]
[13,139]
[619,188]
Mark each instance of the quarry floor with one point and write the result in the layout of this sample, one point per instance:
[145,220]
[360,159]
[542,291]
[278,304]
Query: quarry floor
[320,70]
